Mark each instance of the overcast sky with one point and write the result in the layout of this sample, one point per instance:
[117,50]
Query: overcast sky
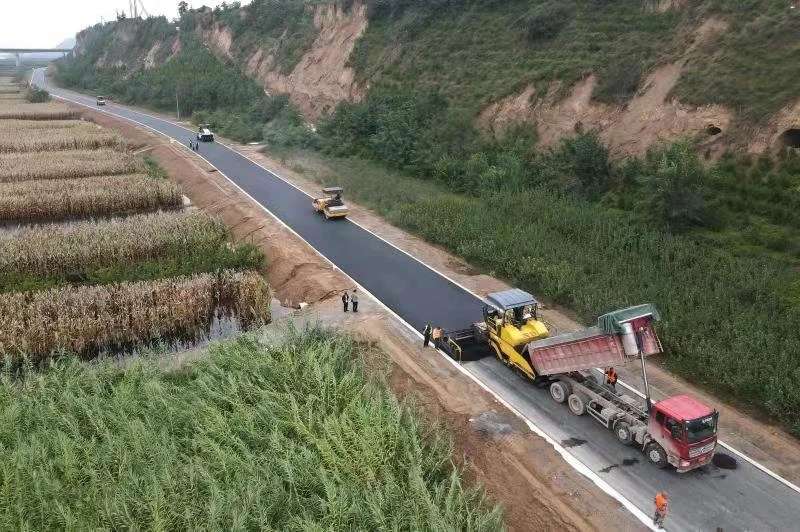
[46,23]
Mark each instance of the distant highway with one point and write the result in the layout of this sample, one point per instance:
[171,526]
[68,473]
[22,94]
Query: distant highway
[742,499]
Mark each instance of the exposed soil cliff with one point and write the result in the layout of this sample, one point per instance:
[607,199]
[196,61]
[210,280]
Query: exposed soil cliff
[322,78]
[652,116]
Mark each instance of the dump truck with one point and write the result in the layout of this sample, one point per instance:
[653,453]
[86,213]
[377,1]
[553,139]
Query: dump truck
[679,431]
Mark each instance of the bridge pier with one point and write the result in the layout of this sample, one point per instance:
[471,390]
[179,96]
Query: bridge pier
[19,59]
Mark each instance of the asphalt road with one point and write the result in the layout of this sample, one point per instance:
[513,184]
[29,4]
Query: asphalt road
[713,499]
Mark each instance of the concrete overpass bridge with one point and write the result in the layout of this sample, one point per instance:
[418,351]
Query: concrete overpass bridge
[20,52]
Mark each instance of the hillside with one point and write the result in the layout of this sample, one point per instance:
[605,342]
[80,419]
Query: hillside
[646,145]
[639,72]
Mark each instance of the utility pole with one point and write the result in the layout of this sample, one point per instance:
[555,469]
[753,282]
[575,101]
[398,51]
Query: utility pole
[177,83]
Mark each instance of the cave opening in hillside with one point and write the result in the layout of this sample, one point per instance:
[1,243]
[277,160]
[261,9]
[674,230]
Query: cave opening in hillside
[712,130]
[791,138]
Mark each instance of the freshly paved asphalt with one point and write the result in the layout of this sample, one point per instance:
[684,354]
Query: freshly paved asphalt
[740,499]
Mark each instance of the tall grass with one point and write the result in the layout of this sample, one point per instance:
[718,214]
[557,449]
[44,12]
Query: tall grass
[137,247]
[86,320]
[730,322]
[278,437]
[59,199]
[66,164]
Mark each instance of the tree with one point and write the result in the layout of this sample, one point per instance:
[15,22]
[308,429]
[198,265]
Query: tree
[183,7]
[674,190]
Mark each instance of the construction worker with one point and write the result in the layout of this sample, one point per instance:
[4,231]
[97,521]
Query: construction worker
[436,336]
[354,300]
[426,334]
[661,509]
[611,378]
[345,300]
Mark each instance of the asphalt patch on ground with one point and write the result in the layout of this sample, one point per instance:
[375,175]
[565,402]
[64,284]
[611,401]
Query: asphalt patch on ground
[491,424]
[572,442]
[724,461]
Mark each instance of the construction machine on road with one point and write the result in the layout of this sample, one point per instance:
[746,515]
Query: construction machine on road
[331,204]
[678,431]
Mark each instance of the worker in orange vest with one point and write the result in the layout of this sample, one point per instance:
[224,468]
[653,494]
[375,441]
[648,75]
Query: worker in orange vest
[661,509]
[611,378]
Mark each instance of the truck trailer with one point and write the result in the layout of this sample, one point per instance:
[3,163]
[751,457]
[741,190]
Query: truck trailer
[678,431]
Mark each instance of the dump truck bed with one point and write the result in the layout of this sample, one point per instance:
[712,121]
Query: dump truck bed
[589,348]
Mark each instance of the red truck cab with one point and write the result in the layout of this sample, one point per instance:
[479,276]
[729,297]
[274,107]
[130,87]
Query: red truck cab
[684,430]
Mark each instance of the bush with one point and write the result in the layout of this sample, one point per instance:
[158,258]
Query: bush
[546,20]
[673,188]
[581,166]
[289,129]
[619,82]
[37,95]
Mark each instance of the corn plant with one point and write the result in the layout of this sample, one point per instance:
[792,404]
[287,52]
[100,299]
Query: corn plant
[80,246]
[67,164]
[58,199]
[20,125]
[85,137]
[89,319]
[36,111]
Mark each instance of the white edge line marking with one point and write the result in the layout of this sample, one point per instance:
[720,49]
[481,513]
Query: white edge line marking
[754,463]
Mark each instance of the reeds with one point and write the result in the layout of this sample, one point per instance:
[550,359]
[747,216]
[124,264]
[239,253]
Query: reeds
[59,199]
[89,319]
[36,111]
[287,436]
[67,164]
[59,249]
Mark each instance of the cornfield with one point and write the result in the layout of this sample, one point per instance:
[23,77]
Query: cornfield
[87,320]
[67,164]
[85,137]
[59,249]
[6,89]
[58,199]
[20,125]
[279,437]
[36,111]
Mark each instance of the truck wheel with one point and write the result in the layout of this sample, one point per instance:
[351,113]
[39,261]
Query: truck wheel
[656,454]
[559,391]
[623,432]
[576,404]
